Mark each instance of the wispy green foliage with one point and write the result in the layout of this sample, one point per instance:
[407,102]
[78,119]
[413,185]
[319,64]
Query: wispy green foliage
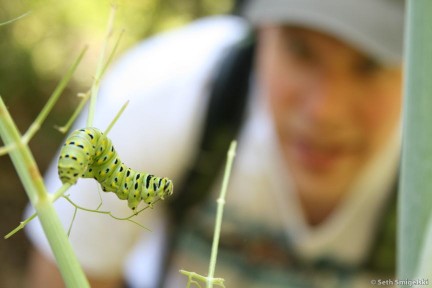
[36,52]
[14,19]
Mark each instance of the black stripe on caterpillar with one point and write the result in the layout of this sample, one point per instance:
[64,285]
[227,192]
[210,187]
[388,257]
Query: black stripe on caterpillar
[88,153]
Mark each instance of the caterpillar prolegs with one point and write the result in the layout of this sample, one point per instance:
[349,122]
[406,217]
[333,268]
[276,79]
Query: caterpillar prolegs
[88,153]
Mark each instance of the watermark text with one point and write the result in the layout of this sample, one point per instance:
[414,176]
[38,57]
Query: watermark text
[406,282]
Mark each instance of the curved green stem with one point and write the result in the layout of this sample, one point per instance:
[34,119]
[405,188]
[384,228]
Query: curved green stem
[31,178]
[37,123]
[15,19]
[109,213]
[60,193]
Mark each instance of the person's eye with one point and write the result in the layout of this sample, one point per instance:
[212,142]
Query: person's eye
[367,67]
[298,49]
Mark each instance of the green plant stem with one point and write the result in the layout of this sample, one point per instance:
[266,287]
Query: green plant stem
[20,226]
[415,195]
[119,113]
[113,51]
[60,193]
[193,275]
[100,69]
[5,149]
[31,178]
[210,280]
[109,213]
[220,207]
[15,19]
[53,198]
[37,123]
[85,97]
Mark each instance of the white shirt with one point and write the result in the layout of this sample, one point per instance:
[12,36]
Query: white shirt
[167,80]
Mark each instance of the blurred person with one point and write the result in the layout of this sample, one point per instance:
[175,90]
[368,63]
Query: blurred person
[312,194]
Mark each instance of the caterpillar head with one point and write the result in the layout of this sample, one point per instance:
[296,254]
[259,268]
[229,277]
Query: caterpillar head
[168,188]
[70,168]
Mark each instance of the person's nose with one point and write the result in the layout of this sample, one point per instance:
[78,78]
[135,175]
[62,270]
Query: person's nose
[329,98]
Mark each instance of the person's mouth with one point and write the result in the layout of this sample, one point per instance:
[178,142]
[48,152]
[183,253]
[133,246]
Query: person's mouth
[320,156]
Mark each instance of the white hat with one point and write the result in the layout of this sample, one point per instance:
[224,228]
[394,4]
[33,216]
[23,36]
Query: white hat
[373,26]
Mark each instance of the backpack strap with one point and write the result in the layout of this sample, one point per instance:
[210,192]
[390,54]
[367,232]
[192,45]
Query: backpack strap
[225,113]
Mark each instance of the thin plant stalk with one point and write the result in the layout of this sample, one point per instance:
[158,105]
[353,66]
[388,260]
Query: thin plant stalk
[415,196]
[53,99]
[32,180]
[119,113]
[15,19]
[85,96]
[219,214]
[210,280]
[100,69]
[37,123]
[53,198]
[113,51]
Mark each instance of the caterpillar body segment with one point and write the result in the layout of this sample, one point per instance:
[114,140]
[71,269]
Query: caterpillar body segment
[76,155]
[88,153]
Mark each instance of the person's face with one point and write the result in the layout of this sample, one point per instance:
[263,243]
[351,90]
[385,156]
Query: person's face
[333,107]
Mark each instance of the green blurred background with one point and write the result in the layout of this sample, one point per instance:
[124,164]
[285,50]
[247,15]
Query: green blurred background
[35,52]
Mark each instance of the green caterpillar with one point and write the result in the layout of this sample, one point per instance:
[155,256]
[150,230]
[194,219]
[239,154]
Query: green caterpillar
[88,153]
